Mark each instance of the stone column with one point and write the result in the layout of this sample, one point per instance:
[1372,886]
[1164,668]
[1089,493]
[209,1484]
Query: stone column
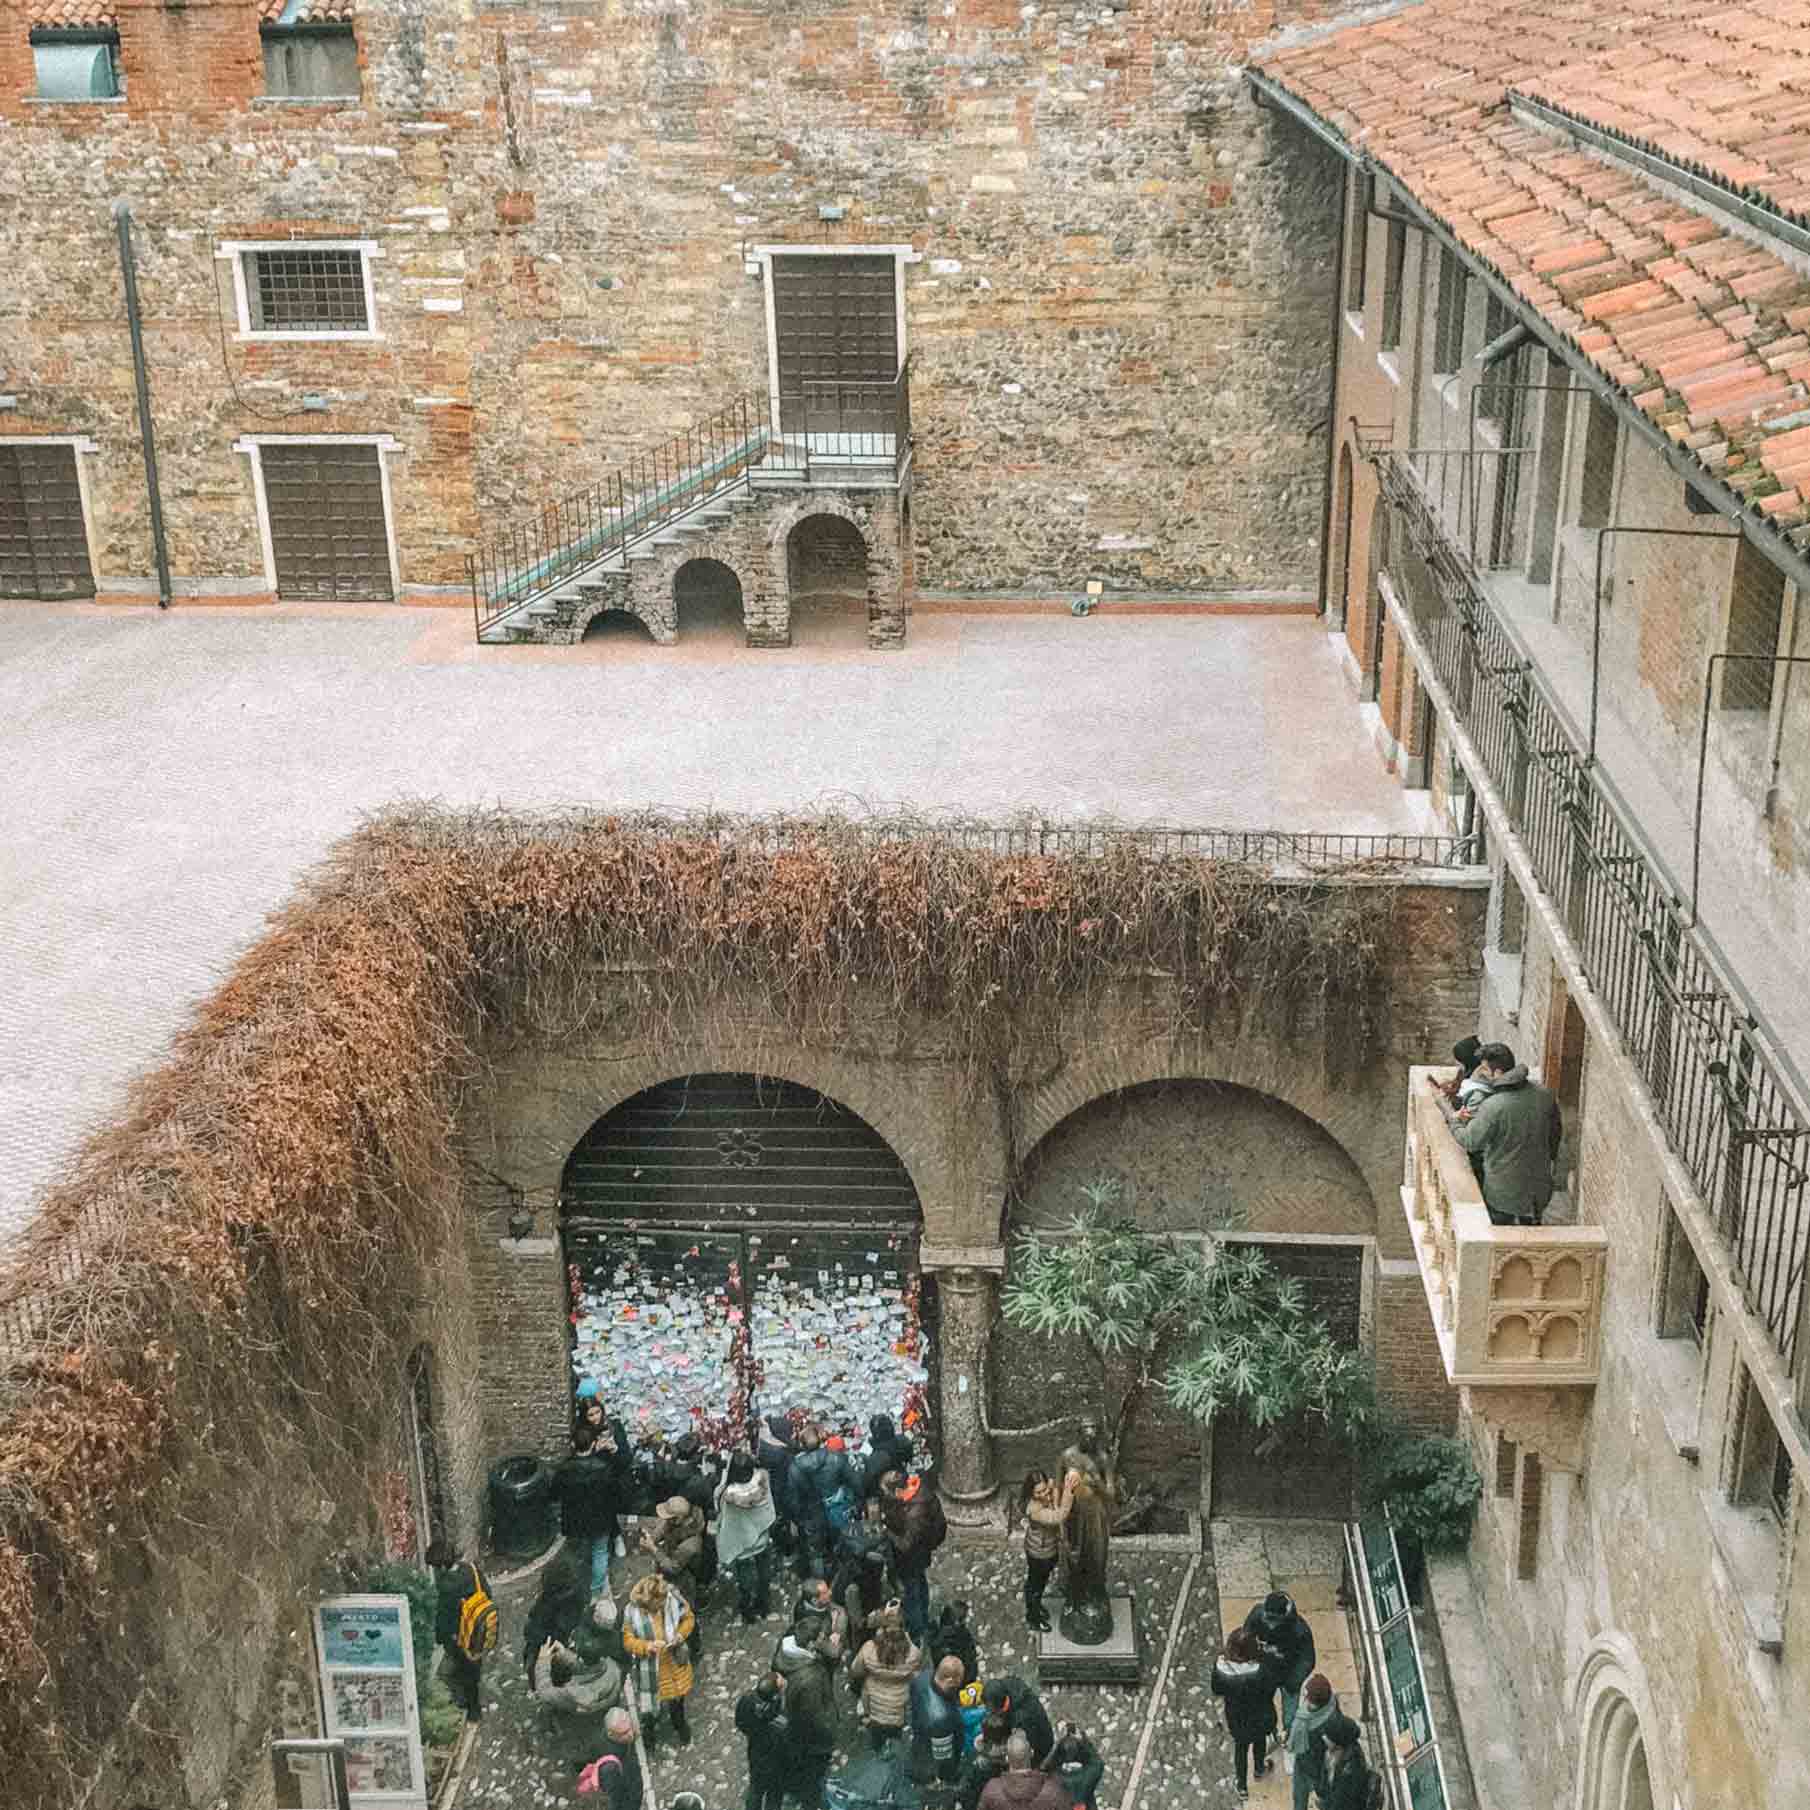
[967,1302]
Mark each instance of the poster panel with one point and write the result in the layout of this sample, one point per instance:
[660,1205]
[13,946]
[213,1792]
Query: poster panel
[367,1664]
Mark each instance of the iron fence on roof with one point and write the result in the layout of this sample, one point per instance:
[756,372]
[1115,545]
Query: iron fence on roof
[1731,1105]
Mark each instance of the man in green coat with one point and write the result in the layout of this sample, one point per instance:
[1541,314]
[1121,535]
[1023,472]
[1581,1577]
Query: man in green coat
[1515,1129]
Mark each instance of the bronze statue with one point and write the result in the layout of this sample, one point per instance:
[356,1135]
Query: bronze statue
[1089,1495]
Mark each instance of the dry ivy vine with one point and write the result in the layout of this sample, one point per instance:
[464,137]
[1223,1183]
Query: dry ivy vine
[221,1296]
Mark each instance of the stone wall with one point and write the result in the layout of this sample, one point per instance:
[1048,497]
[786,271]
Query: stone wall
[1114,303]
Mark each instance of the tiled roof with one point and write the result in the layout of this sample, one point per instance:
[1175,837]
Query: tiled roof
[305,12]
[1707,332]
[73,15]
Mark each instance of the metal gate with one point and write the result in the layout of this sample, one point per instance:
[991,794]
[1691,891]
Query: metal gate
[1298,1471]
[328,533]
[43,538]
[739,1245]
[836,335]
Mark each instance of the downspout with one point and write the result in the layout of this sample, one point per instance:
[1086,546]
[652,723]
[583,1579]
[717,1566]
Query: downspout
[122,218]
[1332,406]
[1267,97]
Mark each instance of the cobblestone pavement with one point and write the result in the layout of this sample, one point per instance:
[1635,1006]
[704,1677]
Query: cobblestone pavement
[1188,1766]
[169,775]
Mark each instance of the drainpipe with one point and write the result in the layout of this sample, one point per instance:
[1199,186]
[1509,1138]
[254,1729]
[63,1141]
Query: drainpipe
[1332,399]
[122,218]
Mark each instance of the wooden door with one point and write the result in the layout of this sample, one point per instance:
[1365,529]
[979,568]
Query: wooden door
[836,336]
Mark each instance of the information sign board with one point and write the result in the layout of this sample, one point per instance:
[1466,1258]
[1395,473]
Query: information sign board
[1426,1783]
[1383,1563]
[367,1665]
[1409,1709]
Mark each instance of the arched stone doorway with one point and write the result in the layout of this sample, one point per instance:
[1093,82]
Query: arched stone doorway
[1338,566]
[1189,1155]
[707,601]
[1617,1772]
[741,1245]
[827,580]
[618,627]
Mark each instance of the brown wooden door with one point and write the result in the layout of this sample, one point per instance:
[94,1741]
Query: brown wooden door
[1299,1471]
[327,529]
[836,332]
[43,539]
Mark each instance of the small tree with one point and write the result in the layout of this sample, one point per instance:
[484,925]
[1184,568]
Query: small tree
[1208,1322]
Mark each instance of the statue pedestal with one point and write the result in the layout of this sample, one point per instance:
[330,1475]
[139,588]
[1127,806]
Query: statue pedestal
[1116,1660]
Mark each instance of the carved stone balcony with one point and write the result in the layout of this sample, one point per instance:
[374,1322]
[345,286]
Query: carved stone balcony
[1514,1307]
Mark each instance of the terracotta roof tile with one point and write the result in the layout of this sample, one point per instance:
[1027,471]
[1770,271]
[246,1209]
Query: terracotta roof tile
[74,15]
[305,12]
[1707,331]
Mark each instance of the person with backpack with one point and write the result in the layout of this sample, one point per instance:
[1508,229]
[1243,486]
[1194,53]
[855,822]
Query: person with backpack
[916,1526]
[615,1774]
[825,1490]
[1012,1698]
[1349,1782]
[760,1719]
[465,1624]
[807,1660]
[1280,1628]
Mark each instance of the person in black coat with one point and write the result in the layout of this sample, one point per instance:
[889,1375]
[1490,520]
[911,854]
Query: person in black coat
[1023,1710]
[889,1451]
[1277,1627]
[1347,1785]
[1076,1766]
[818,1474]
[1245,1677]
[584,1486]
[624,1778]
[454,1582]
[953,1638]
[774,1450]
[760,1719]
[557,1611]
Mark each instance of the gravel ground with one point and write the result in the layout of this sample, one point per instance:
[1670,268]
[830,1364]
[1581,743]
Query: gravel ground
[1188,1766]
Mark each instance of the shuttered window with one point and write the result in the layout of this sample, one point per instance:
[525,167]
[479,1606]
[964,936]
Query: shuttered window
[328,533]
[43,538]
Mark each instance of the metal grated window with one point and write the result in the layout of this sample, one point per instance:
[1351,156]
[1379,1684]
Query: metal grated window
[306,291]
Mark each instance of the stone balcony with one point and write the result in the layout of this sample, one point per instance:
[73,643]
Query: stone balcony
[1515,1308]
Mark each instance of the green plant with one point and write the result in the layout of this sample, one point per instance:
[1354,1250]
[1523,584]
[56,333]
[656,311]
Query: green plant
[1208,1322]
[1430,1486]
[442,1720]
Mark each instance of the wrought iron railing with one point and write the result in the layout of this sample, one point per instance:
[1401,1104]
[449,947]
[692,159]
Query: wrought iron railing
[800,431]
[1732,1106]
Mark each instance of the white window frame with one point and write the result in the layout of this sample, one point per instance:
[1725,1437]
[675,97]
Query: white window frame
[234,251]
[763,256]
[82,446]
[252,446]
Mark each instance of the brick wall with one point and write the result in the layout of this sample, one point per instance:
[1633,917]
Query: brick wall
[1118,355]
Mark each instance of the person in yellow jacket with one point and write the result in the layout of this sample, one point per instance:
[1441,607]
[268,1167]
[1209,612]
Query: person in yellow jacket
[656,1627]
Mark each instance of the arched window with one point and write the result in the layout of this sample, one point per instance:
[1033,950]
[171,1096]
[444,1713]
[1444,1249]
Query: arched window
[1616,1772]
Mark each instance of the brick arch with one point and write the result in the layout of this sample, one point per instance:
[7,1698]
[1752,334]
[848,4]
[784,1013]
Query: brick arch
[570,1112]
[790,516]
[1341,1114]
[647,591]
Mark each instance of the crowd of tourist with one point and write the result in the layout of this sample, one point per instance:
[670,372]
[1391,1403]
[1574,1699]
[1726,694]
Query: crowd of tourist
[858,1639]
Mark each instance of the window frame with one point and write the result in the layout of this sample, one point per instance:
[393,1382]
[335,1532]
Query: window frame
[235,252]
[1449,312]
[49,36]
[84,448]
[252,446]
[1395,272]
[269,35]
[1357,249]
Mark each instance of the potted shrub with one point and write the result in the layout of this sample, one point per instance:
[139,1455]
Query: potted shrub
[1431,1489]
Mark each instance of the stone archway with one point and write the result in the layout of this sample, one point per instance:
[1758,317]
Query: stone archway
[707,601]
[620,625]
[738,1244]
[1188,1155]
[828,579]
[1617,1769]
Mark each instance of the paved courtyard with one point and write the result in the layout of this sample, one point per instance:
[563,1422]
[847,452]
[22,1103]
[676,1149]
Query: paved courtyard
[168,775]
[1162,1752]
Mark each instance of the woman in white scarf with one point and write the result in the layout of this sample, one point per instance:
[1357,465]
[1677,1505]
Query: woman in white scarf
[655,1628]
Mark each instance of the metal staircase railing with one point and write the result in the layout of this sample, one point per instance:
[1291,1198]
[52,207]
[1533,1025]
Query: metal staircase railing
[805,428]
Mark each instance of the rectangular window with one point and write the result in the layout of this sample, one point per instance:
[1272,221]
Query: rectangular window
[1357,244]
[1448,322]
[43,532]
[1507,1461]
[1762,1473]
[1683,1288]
[1596,493]
[1756,610]
[311,289]
[311,62]
[77,65]
[1395,259]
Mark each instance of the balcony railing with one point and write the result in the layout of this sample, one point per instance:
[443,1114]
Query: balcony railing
[808,432]
[1732,1107]
[1512,1305]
